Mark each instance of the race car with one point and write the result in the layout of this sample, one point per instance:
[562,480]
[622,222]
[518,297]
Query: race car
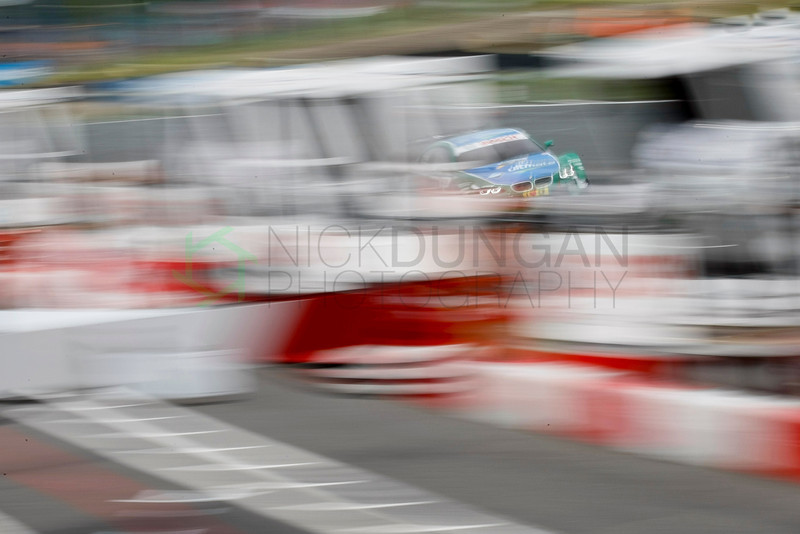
[507,162]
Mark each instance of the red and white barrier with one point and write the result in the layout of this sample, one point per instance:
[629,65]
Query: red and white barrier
[694,425]
[432,370]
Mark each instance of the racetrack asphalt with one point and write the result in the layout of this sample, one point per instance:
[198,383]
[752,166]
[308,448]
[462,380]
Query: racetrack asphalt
[59,477]
[533,479]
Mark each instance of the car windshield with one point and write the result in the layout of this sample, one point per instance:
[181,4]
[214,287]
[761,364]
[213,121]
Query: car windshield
[501,151]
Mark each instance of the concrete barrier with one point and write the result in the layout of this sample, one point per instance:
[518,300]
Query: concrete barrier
[200,353]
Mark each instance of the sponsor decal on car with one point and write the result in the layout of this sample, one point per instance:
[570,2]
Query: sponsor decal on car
[544,191]
[529,163]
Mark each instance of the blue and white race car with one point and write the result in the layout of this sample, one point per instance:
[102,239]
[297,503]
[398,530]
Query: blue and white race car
[507,162]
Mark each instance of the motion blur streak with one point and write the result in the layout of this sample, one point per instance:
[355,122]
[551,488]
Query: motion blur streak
[577,221]
[313,493]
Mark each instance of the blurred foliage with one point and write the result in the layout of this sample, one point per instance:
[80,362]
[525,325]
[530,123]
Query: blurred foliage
[83,11]
[519,87]
[268,47]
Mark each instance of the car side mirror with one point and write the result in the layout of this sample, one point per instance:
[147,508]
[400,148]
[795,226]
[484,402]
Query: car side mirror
[548,143]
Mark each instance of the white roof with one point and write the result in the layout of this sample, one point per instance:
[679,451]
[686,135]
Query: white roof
[333,79]
[680,49]
[15,98]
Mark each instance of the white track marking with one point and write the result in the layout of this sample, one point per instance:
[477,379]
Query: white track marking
[145,435]
[293,485]
[111,407]
[46,408]
[332,506]
[173,497]
[191,450]
[114,421]
[218,462]
[9,525]
[413,529]
[234,467]
[173,513]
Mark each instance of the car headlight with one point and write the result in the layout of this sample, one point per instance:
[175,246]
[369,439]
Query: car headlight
[490,190]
